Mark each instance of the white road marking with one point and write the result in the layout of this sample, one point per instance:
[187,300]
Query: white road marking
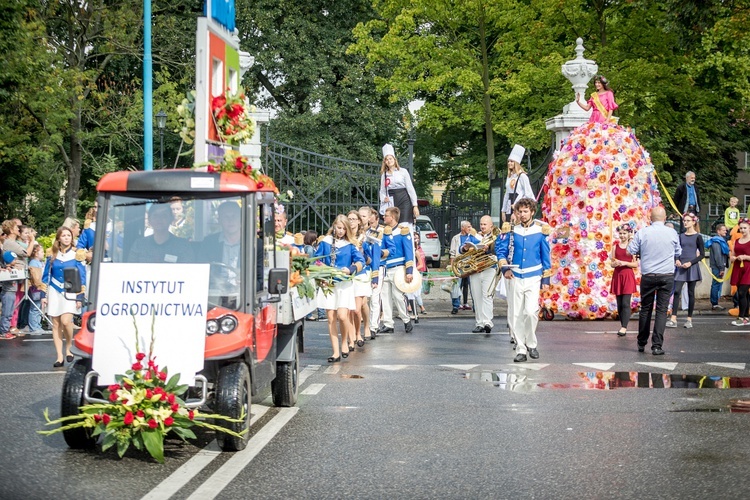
[222,477]
[529,366]
[332,370]
[197,463]
[599,366]
[313,389]
[736,366]
[306,372]
[478,333]
[460,367]
[62,372]
[391,367]
[665,366]
[37,340]
[734,331]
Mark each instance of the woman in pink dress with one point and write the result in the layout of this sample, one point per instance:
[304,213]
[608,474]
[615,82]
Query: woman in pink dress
[739,257]
[623,279]
[603,102]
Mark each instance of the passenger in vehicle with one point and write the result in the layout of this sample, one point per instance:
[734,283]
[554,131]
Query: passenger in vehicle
[161,245]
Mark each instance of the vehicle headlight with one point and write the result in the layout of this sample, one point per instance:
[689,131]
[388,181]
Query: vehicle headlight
[212,326]
[228,324]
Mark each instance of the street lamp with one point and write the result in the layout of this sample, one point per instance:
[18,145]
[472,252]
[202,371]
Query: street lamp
[414,107]
[161,122]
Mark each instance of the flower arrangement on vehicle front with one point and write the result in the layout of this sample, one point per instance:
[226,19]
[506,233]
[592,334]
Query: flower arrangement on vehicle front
[235,162]
[145,405]
[232,118]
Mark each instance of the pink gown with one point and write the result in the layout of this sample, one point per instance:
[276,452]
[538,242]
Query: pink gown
[608,101]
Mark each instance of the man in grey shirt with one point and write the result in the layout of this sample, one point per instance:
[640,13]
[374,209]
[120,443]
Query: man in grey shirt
[658,246]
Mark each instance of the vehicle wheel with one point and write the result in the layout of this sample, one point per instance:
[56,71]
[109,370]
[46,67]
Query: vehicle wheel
[285,387]
[232,398]
[547,314]
[72,399]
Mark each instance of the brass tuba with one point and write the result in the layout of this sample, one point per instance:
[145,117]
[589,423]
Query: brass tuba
[477,259]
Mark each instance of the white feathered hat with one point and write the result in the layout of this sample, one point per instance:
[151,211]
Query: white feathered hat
[388,150]
[517,153]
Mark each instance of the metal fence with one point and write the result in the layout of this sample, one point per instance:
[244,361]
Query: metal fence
[323,186]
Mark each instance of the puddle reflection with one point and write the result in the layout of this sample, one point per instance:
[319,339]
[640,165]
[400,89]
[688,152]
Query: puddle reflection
[611,380]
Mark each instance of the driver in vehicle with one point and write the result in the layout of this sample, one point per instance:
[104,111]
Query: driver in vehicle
[222,251]
[161,246]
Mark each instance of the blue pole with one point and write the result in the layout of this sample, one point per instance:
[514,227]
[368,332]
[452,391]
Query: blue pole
[148,119]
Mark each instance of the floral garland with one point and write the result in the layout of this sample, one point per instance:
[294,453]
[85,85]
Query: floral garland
[235,162]
[145,406]
[232,118]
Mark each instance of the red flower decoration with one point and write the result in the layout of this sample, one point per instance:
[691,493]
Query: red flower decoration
[128,418]
[191,414]
[137,366]
[140,356]
[168,421]
[162,376]
[113,396]
[140,413]
[153,424]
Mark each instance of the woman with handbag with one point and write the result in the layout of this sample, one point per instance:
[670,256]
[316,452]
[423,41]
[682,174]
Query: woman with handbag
[517,184]
[59,309]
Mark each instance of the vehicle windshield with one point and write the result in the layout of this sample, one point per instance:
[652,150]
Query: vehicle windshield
[181,230]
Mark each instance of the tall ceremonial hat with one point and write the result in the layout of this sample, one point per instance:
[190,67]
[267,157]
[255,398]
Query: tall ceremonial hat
[399,279]
[517,153]
[388,150]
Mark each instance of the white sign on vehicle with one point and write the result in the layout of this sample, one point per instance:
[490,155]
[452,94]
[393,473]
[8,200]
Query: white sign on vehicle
[172,297]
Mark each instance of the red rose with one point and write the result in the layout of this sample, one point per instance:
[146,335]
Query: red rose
[140,413]
[127,386]
[175,407]
[97,418]
[113,396]
[113,387]
[191,414]
[140,356]
[260,185]
[162,376]
[147,376]
[106,418]
[168,421]
[170,398]
[137,366]
[152,424]
[210,169]
[149,393]
[160,390]
[128,418]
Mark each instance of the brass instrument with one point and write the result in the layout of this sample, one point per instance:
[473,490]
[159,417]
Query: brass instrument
[477,259]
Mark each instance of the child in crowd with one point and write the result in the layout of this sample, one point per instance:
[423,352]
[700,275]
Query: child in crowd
[36,265]
[8,297]
[731,215]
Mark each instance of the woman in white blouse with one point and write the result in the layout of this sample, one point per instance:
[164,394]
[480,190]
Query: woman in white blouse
[517,185]
[396,188]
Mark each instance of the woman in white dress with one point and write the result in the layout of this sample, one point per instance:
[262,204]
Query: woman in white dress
[60,309]
[396,188]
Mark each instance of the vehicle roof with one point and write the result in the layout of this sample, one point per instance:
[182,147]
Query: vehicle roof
[182,180]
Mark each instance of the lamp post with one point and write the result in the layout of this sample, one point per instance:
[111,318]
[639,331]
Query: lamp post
[414,107]
[161,122]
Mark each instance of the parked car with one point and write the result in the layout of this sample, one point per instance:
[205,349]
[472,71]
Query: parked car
[430,241]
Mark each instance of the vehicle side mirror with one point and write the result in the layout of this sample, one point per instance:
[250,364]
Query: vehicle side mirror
[72,280]
[277,281]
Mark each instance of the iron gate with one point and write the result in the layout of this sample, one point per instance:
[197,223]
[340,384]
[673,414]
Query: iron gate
[323,186]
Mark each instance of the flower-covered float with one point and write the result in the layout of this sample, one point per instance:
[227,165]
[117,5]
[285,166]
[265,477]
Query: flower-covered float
[600,178]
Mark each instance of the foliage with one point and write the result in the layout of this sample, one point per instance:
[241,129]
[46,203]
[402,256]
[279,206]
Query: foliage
[145,405]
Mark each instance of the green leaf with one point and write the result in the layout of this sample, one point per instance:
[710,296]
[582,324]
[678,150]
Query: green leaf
[110,439]
[172,383]
[154,442]
[183,433]
[122,446]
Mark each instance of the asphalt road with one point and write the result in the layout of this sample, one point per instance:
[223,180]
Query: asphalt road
[439,413]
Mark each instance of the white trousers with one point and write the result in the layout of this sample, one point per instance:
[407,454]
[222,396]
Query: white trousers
[523,309]
[391,295]
[479,284]
[375,301]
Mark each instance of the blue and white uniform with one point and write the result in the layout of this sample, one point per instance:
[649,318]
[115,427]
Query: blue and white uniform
[377,235]
[400,247]
[340,254]
[526,246]
[53,282]
[368,276]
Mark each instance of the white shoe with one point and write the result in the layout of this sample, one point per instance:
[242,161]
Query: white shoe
[688,324]
[739,322]
[671,324]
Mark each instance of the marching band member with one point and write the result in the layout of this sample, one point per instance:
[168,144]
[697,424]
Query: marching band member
[397,240]
[530,258]
[364,281]
[339,249]
[396,188]
[481,282]
[374,234]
